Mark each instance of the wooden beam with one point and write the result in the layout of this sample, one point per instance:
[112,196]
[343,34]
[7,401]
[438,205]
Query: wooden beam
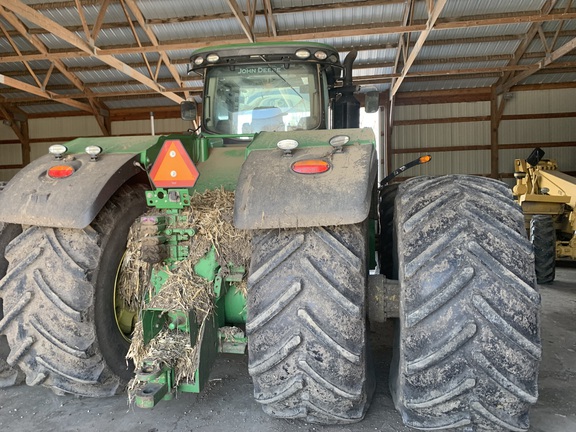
[24,11]
[99,20]
[241,19]
[97,108]
[11,82]
[434,13]
[528,38]
[152,37]
[560,52]
[21,131]
[270,17]
[494,129]
[338,32]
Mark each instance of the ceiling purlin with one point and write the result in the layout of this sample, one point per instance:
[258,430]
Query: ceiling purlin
[304,34]
[154,40]
[31,15]
[246,28]
[434,11]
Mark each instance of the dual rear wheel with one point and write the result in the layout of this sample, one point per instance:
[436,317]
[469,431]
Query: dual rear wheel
[468,343]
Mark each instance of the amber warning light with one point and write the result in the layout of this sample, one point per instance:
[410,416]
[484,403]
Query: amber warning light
[173,167]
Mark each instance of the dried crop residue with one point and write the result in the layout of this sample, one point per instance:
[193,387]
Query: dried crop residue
[210,215]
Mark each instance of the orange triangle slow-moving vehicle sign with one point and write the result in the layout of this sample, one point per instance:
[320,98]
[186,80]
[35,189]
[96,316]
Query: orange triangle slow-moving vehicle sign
[173,167]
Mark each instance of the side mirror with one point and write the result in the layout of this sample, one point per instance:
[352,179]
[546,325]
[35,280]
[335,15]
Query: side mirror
[372,102]
[188,110]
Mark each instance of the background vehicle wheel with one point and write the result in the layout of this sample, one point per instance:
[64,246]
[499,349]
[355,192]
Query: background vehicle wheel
[8,374]
[307,323]
[469,339]
[58,301]
[543,238]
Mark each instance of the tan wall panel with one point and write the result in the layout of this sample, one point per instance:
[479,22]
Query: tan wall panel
[544,101]
[161,126]
[6,132]
[10,154]
[64,127]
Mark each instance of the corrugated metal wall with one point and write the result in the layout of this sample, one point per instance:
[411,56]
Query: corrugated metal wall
[414,136]
[477,133]
[540,130]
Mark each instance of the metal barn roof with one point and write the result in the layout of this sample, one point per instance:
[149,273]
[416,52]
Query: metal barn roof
[107,55]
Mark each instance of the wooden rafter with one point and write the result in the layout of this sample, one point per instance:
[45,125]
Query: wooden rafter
[154,40]
[11,82]
[434,12]
[549,59]
[270,22]
[31,15]
[304,34]
[365,80]
[241,19]
[99,20]
[98,110]
[528,38]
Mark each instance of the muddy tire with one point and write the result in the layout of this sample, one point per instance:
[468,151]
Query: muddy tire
[306,325]
[58,302]
[543,238]
[469,339]
[8,374]
[386,245]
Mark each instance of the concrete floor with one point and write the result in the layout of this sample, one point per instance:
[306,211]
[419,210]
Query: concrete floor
[228,403]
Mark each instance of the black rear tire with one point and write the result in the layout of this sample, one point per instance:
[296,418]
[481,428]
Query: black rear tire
[8,375]
[306,323]
[469,339]
[543,238]
[58,301]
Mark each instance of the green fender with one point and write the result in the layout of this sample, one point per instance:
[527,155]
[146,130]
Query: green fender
[33,198]
[270,194]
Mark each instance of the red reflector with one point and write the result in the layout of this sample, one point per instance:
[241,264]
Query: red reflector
[60,171]
[173,167]
[310,166]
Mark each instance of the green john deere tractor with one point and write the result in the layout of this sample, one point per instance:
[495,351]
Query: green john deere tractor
[279,126]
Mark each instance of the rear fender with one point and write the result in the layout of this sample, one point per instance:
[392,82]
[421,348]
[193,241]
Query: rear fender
[33,198]
[270,195]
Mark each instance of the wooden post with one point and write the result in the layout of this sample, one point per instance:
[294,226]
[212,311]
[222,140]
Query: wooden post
[494,124]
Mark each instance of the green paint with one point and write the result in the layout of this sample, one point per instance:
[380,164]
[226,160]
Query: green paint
[312,138]
[207,266]
[235,306]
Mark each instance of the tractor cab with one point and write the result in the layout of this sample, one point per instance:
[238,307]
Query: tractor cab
[265,87]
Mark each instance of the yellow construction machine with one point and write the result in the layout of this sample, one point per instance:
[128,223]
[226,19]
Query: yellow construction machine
[548,200]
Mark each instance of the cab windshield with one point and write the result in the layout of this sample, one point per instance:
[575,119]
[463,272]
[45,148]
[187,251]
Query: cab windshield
[267,97]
